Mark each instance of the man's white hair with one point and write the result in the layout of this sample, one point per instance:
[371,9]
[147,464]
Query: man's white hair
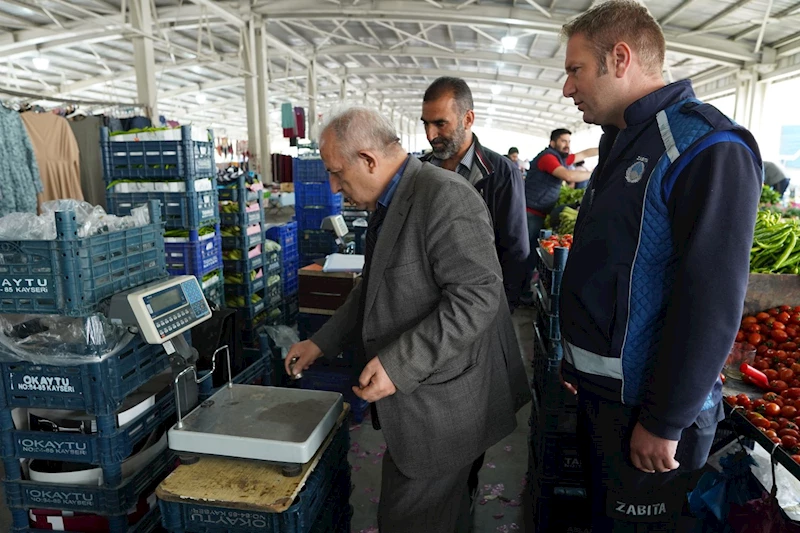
[359,128]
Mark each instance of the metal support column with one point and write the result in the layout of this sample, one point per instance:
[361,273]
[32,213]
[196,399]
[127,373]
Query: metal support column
[251,94]
[143,58]
[313,128]
[263,104]
[343,89]
[744,97]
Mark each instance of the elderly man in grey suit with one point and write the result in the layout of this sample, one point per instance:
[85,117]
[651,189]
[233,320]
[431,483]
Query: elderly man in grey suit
[441,361]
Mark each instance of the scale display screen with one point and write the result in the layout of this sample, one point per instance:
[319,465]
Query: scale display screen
[166,300]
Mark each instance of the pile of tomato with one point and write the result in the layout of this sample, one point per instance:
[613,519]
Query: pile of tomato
[775,334]
[562,241]
[776,415]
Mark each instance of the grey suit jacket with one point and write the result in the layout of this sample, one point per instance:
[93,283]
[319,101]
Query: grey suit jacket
[436,316]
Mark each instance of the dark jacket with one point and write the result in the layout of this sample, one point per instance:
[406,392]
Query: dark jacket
[542,189]
[655,282]
[503,190]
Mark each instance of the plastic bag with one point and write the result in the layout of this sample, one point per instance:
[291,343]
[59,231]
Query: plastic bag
[283,337]
[27,226]
[59,340]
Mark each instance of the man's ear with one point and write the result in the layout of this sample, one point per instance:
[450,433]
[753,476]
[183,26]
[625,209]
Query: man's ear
[469,119]
[621,59]
[369,158]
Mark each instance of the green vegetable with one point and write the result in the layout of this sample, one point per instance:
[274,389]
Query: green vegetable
[775,244]
[566,221]
[769,195]
[568,196]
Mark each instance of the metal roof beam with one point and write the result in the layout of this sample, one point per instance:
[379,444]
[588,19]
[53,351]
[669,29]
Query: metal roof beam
[435,73]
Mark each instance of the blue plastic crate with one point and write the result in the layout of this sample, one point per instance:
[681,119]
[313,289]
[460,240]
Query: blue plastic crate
[230,193]
[244,266]
[150,523]
[23,494]
[215,293]
[339,380]
[250,311]
[180,210]
[111,447]
[241,219]
[157,160]
[298,518]
[311,217]
[272,262]
[247,289]
[307,170]
[194,258]
[70,276]
[317,243]
[95,387]
[290,279]
[284,234]
[551,269]
[550,327]
[242,242]
[309,193]
[274,294]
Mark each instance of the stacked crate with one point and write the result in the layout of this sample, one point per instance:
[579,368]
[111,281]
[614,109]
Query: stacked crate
[252,274]
[70,277]
[314,201]
[180,174]
[555,472]
[286,236]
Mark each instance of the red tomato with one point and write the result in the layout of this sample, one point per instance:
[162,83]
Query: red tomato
[731,400]
[772,409]
[770,321]
[774,311]
[762,316]
[774,425]
[786,308]
[761,365]
[756,404]
[740,336]
[770,433]
[764,328]
[786,374]
[778,385]
[794,318]
[788,411]
[793,393]
[754,328]
[788,431]
[783,317]
[779,325]
[760,423]
[771,374]
[796,368]
[755,339]
[789,361]
[789,442]
[770,396]
[796,459]
[749,320]
[791,331]
[761,349]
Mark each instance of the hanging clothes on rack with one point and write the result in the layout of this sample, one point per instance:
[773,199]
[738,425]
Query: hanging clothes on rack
[19,172]
[300,122]
[57,155]
[87,134]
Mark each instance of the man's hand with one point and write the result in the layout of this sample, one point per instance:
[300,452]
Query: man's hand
[652,454]
[569,386]
[374,382]
[306,352]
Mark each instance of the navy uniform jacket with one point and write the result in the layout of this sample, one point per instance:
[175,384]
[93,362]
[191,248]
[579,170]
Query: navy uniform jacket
[655,282]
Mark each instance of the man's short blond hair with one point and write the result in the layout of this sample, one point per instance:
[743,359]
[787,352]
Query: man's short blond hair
[616,21]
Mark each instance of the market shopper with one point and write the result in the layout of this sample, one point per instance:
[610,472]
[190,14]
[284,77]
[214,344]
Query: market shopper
[775,177]
[548,171]
[448,116]
[654,286]
[442,364]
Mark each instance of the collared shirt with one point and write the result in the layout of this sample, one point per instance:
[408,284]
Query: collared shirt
[465,166]
[388,193]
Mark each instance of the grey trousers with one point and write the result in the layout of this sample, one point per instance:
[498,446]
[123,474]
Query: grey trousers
[429,505]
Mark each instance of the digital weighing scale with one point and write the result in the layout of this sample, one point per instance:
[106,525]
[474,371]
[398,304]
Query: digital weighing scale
[285,426]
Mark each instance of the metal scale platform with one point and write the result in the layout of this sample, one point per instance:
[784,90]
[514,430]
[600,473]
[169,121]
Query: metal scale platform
[285,426]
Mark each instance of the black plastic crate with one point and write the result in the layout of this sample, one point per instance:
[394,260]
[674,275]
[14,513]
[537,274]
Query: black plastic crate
[560,509]
[549,327]
[555,454]
[317,242]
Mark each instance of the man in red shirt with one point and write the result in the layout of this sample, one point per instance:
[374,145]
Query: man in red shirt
[547,172]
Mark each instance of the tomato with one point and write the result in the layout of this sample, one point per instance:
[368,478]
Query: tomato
[794,318]
[761,349]
[788,411]
[774,312]
[772,409]
[761,365]
[778,325]
[791,331]
[770,433]
[763,328]
[778,335]
[760,423]
[796,459]
[786,374]
[743,400]
[761,317]
[770,321]
[770,396]
[771,374]
[778,385]
[750,319]
[774,425]
[783,317]
[790,361]
[755,339]
[770,343]
[761,402]
[788,432]
[731,400]
[793,393]
[785,308]
[754,328]
[789,442]
[740,336]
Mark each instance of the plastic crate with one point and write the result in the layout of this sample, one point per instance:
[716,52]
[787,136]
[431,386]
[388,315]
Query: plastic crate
[339,380]
[250,311]
[290,280]
[23,494]
[152,160]
[180,210]
[308,193]
[95,387]
[298,518]
[317,242]
[231,193]
[560,509]
[549,417]
[309,170]
[242,242]
[246,289]
[555,454]
[545,302]
[150,523]
[113,446]
[311,217]
[290,308]
[551,269]
[336,513]
[70,276]
[247,218]
[286,236]
[194,258]
[244,266]
[549,327]
[274,294]
[216,293]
